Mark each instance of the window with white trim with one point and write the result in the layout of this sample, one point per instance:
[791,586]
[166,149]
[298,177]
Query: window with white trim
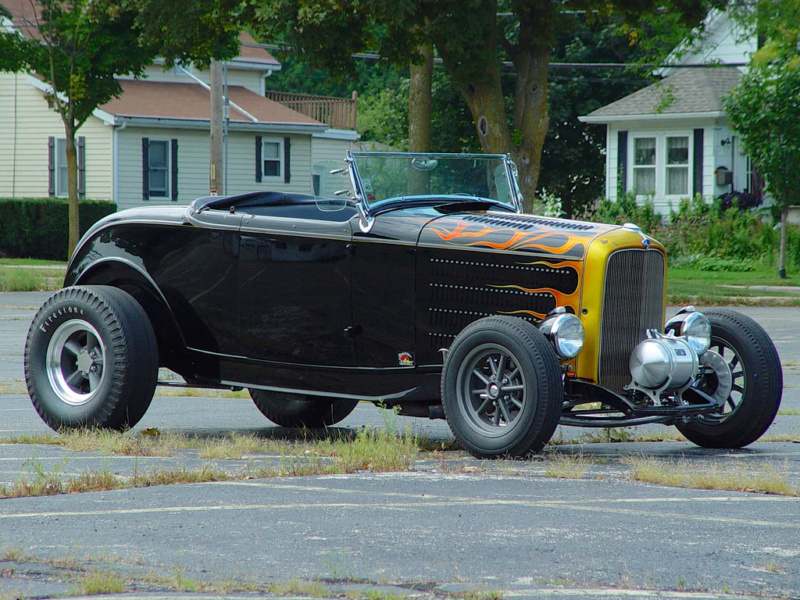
[644,165]
[677,167]
[661,164]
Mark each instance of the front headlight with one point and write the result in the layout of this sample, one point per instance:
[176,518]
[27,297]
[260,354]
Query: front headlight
[565,332]
[693,326]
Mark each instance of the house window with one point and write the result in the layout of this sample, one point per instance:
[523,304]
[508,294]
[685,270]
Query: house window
[158,169]
[644,165]
[62,189]
[677,167]
[57,179]
[271,158]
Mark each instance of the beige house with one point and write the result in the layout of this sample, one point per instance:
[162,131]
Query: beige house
[151,145]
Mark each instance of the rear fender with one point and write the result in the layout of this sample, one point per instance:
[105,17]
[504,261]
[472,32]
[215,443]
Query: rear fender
[128,276]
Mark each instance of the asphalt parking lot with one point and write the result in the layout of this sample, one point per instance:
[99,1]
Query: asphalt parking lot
[451,526]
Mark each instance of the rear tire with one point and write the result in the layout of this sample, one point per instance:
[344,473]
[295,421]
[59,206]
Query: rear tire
[91,359]
[296,410]
[502,389]
[757,384]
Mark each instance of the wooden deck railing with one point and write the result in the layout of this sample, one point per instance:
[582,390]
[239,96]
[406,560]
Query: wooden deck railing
[338,113]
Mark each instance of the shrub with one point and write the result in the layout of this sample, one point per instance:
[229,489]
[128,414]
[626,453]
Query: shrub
[38,228]
[711,236]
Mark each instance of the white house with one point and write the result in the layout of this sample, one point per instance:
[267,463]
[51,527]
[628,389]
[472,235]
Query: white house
[151,145]
[672,139]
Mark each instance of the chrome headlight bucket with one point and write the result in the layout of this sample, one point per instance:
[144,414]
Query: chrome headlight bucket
[693,326]
[564,331]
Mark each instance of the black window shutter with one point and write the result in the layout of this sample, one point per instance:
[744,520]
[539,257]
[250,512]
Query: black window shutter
[287,160]
[622,162]
[51,166]
[145,169]
[81,167]
[697,167]
[259,166]
[174,163]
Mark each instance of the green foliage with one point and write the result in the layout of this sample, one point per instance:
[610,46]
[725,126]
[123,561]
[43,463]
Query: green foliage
[627,210]
[702,235]
[474,39]
[38,228]
[763,109]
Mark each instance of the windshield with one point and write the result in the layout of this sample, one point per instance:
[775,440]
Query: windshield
[382,176]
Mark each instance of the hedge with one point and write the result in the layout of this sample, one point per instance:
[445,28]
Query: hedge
[38,228]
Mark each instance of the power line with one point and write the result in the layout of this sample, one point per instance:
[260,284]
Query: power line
[553,65]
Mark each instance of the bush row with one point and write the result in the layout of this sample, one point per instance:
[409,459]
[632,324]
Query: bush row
[38,228]
[706,235]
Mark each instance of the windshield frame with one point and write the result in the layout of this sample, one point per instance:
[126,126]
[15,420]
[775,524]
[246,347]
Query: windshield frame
[369,210]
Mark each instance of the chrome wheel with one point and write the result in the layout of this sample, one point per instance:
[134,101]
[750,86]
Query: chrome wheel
[723,378]
[491,389]
[75,362]
[743,375]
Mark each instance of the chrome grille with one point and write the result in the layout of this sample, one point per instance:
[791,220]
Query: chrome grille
[633,303]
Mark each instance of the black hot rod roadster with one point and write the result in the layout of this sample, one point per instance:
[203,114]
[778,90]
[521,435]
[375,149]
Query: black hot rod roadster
[417,283]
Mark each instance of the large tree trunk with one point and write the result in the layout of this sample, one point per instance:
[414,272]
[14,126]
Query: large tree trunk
[419,103]
[419,118]
[531,117]
[72,188]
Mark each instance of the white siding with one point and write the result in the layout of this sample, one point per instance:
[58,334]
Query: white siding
[330,149]
[713,153]
[612,160]
[724,42]
[250,79]
[193,164]
[26,122]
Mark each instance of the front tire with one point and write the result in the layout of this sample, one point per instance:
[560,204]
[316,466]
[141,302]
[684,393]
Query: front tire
[755,390]
[502,389]
[295,410]
[91,359]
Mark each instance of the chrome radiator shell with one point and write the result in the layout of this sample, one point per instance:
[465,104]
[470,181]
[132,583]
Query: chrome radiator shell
[633,302]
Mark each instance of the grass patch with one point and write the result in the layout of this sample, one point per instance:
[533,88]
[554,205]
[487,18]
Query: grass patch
[721,287]
[295,587]
[22,279]
[32,262]
[368,450]
[787,412]
[751,477]
[565,466]
[96,582]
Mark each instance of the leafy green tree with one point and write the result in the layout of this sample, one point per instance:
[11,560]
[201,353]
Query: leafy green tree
[473,38]
[79,46]
[764,108]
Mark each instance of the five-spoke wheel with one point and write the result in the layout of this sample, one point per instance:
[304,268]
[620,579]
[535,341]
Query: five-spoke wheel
[91,359]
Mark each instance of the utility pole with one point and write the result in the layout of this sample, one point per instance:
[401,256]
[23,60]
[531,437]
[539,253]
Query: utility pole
[217,168]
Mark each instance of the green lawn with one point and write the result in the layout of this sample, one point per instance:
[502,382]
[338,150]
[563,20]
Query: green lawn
[725,287]
[33,262]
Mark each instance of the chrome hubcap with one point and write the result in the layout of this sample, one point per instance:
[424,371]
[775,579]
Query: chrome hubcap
[75,362]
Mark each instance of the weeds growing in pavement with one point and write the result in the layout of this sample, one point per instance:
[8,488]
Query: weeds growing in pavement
[748,477]
[96,581]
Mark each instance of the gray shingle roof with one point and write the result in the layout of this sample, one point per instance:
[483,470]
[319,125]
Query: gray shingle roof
[694,90]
